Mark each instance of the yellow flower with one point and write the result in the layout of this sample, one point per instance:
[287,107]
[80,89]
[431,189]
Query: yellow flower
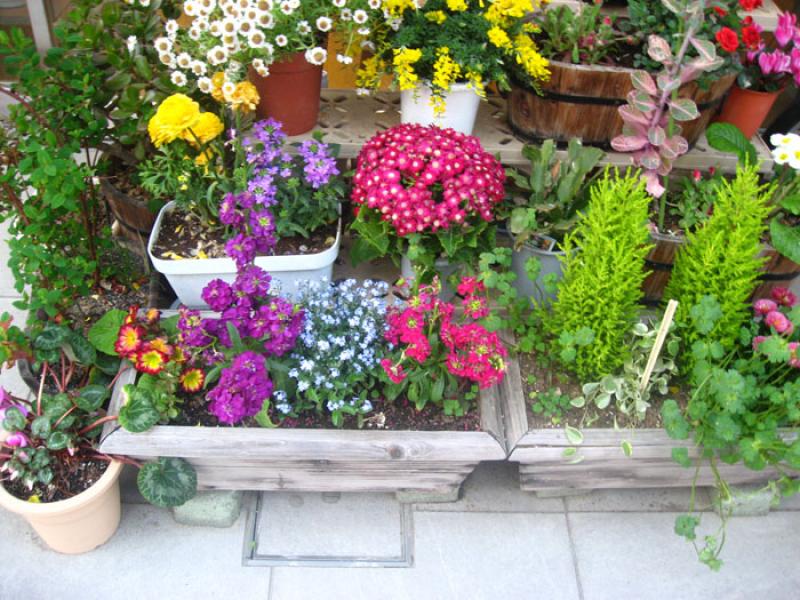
[369,73]
[505,12]
[396,8]
[436,16]
[475,81]
[529,58]
[244,97]
[403,60]
[201,160]
[217,81]
[174,116]
[208,127]
[457,5]
[445,72]
[499,37]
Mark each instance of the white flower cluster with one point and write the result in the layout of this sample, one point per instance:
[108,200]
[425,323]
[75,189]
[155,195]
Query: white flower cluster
[337,358]
[787,149]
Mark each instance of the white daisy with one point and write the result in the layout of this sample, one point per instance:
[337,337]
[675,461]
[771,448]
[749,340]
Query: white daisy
[303,28]
[339,3]
[131,43]
[217,55]
[215,28]
[286,7]
[346,14]
[184,60]
[256,39]
[228,88]
[360,16]
[178,78]
[317,55]
[190,8]
[365,31]
[374,4]
[167,59]
[171,27]
[281,40]
[324,24]
[266,20]
[194,34]
[162,45]
[295,4]
[199,68]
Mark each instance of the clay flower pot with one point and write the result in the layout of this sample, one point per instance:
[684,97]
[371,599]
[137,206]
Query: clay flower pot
[747,109]
[78,524]
[290,94]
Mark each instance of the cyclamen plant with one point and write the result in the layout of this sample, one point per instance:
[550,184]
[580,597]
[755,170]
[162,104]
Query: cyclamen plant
[762,68]
[253,327]
[441,357]
[650,132]
[425,192]
[335,366]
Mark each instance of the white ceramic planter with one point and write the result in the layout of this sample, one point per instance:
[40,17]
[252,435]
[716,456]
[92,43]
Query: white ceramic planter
[461,108]
[188,277]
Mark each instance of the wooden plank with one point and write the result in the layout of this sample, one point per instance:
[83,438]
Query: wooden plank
[492,415]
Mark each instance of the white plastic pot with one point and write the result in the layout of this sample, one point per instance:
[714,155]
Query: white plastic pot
[188,277]
[461,108]
[550,261]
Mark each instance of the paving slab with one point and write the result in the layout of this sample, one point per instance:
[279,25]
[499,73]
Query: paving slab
[150,557]
[329,525]
[638,555]
[494,487]
[640,500]
[458,556]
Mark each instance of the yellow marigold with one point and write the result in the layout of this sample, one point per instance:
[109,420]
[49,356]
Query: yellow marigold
[244,97]
[174,116]
[217,81]
[499,37]
[403,60]
[207,128]
[436,16]
[529,58]
[457,5]
[445,72]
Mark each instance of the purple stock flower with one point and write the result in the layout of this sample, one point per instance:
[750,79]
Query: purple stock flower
[228,213]
[242,249]
[253,281]
[218,295]
[242,389]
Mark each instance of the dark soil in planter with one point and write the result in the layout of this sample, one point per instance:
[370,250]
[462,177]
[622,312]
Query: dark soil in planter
[400,415]
[123,182]
[85,310]
[72,477]
[184,235]
[549,378]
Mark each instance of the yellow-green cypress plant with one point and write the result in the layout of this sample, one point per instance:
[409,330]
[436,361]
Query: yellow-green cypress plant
[721,259]
[599,295]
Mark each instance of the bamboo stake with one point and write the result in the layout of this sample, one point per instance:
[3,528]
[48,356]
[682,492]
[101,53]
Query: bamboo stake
[661,337]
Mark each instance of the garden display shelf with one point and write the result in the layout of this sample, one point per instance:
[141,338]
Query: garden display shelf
[432,464]
[599,461]
[349,120]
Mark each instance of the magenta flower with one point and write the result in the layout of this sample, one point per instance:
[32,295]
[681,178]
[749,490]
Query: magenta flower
[17,440]
[764,306]
[779,322]
[783,296]
[787,29]
[757,341]
[774,63]
[794,359]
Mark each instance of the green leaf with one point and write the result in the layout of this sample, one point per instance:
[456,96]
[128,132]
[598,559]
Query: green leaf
[58,440]
[14,419]
[167,482]
[683,109]
[103,334]
[681,456]
[139,413]
[51,338]
[674,422]
[574,436]
[41,427]
[685,526]
[91,397]
[56,406]
[84,352]
[627,448]
[785,239]
[792,204]
[726,137]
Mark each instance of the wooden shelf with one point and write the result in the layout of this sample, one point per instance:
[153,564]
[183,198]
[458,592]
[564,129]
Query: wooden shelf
[349,120]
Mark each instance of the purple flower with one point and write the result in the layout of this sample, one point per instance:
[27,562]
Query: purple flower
[787,29]
[17,440]
[253,281]
[191,332]
[775,62]
[242,389]
[228,214]
[218,295]
[242,249]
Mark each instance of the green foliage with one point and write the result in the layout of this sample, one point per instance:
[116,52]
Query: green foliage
[167,482]
[721,259]
[603,269]
[580,37]
[103,334]
[556,188]
[13,341]
[695,200]
[551,404]
[726,137]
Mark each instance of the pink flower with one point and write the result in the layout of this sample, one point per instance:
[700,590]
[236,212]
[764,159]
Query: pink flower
[783,296]
[394,372]
[470,286]
[794,359]
[757,341]
[697,175]
[787,28]
[779,322]
[795,63]
[764,306]
[17,440]
[774,63]
[475,307]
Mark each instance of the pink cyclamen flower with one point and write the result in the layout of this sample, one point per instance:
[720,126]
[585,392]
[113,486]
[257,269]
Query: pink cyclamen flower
[764,306]
[783,296]
[779,322]
[794,359]
[757,341]
[774,63]
[787,28]
[17,440]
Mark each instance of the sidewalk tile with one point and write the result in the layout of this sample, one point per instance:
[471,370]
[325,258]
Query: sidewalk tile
[458,556]
[638,555]
[639,500]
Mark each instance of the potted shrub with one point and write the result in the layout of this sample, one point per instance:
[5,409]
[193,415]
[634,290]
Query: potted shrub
[53,473]
[592,57]
[445,53]
[426,195]
[765,71]
[263,380]
[280,47]
[556,190]
[277,208]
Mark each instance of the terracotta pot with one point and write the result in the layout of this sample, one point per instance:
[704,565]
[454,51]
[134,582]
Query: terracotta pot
[78,524]
[290,94]
[747,109]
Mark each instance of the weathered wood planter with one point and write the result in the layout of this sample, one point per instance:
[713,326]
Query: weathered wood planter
[582,101]
[320,460]
[603,465]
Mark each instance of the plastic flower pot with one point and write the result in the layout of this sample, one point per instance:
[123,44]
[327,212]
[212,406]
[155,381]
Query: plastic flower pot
[747,109]
[443,268]
[78,524]
[290,94]
[130,212]
[188,277]
[461,108]
[550,261]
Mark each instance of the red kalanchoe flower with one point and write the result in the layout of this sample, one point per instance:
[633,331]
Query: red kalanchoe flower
[150,360]
[129,340]
[727,39]
[751,37]
[720,11]
[750,5]
[783,296]
[192,380]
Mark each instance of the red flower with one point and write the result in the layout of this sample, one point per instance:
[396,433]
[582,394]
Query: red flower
[192,380]
[150,361]
[749,5]
[129,340]
[130,318]
[720,11]
[727,39]
[751,37]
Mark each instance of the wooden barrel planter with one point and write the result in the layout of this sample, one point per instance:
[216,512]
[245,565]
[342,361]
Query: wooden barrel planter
[581,101]
[130,212]
[779,271]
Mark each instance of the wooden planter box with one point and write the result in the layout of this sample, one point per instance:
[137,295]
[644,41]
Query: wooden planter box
[320,460]
[543,467]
